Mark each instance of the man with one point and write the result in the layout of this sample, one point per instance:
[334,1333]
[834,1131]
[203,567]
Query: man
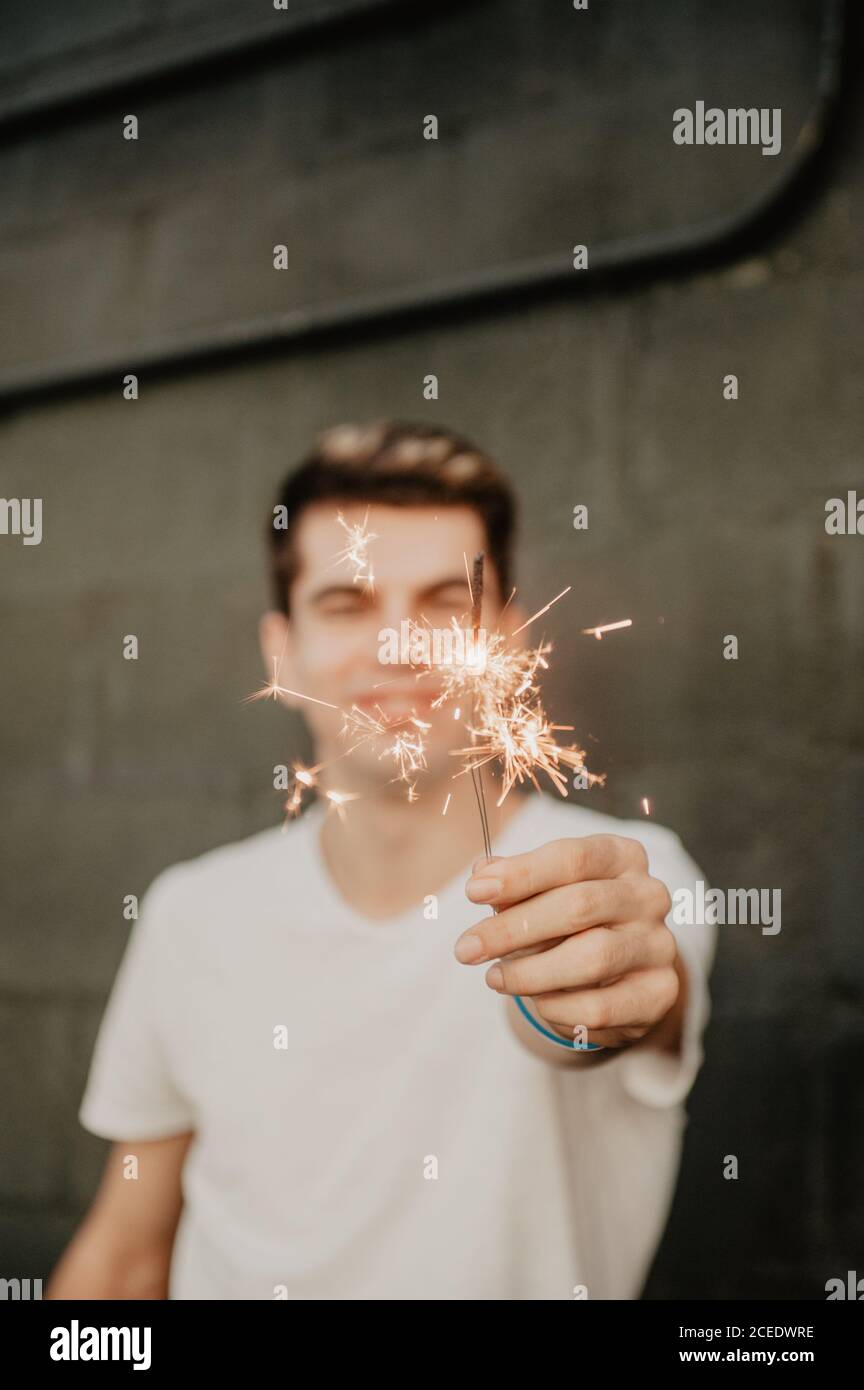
[313,1090]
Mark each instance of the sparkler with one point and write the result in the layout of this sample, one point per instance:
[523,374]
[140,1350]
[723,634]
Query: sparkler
[517,732]
[499,684]
[509,724]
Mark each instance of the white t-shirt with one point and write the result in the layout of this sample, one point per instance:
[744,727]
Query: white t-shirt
[404,1144]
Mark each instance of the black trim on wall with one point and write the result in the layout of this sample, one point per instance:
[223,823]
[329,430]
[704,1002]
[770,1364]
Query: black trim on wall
[676,252]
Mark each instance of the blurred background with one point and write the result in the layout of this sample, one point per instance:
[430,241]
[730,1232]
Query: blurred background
[406,257]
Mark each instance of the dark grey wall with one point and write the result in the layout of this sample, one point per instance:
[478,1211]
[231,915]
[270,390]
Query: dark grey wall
[706,516]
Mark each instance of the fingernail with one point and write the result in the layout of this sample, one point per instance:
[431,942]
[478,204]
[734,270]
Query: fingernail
[480,863]
[495,977]
[483,890]
[469,948]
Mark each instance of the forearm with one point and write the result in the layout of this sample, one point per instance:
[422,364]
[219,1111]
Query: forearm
[92,1268]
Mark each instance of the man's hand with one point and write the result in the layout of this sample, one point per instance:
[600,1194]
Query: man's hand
[581,931]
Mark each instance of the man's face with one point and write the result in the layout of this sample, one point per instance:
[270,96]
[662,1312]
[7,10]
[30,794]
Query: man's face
[329,649]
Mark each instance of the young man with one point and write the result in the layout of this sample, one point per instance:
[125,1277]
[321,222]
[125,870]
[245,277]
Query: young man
[313,1048]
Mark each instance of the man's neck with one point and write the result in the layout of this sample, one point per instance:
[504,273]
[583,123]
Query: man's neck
[388,855]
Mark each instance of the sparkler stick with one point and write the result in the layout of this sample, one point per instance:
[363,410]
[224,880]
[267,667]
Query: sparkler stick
[476,586]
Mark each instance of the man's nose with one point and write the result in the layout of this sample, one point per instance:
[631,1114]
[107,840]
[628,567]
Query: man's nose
[398,609]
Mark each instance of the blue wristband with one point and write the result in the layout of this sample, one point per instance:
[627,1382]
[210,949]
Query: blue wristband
[556,1037]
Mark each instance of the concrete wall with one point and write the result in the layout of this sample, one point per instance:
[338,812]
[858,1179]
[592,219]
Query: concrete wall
[706,516]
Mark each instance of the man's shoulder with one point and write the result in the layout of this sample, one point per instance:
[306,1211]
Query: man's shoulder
[236,870]
[561,819]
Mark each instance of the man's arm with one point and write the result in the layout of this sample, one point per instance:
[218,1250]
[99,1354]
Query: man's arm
[123,1247]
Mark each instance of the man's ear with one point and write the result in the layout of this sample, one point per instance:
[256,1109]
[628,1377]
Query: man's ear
[274,637]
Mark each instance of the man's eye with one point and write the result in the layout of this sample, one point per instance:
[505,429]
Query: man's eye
[454,604]
[343,609]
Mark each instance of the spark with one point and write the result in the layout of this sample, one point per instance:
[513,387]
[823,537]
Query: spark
[446,803]
[606,627]
[305,779]
[271,690]
[509,601]
[406,747]
[356,552]
[541,611]
[409,754]
[338,801]
[646,806]
[468,576]
[361,725]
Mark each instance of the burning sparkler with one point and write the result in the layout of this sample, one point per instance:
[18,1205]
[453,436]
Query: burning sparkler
[498,683]
[509,725]
[508,722]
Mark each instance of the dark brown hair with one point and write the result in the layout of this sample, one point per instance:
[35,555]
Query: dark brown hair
[400,465]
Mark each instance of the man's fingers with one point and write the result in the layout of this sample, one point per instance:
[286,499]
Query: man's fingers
[560,862]
[593,957]
[557,913]
[638,1001]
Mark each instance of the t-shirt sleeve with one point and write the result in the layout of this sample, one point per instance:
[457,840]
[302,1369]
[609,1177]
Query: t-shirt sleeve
[132,1089]
[649,1075]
